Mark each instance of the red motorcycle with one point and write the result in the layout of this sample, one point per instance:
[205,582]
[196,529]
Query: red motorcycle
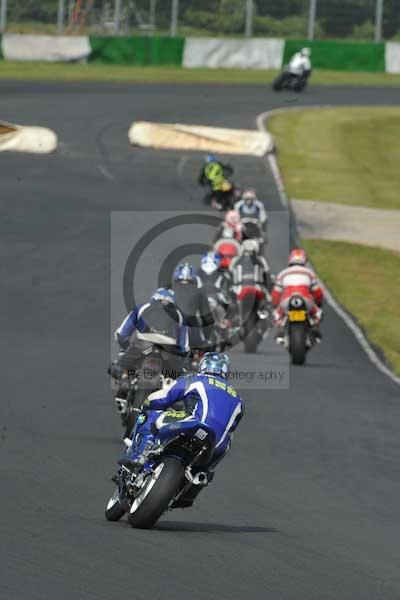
[228,249]
[254,316]
[298,337]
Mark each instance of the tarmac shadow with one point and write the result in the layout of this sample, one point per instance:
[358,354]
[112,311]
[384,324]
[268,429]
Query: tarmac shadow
[321,365]
[191,527]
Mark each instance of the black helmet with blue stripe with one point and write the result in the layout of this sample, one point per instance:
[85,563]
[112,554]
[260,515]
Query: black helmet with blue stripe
[164,295]
[213,363]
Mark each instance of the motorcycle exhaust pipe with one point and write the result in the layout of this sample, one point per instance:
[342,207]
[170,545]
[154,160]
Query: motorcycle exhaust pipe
[200,479]
[121,405]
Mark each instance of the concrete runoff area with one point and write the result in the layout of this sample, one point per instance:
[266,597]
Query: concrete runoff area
[357,224]
[307,503]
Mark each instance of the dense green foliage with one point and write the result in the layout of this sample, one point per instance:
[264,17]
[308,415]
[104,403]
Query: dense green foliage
[32,10]
[336,18]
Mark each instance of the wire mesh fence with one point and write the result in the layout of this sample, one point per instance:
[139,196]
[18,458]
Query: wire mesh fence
[320,19]
[83,16]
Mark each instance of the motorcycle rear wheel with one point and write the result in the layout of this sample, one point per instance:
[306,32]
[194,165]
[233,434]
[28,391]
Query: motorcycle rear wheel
[251,338]
[158,491]
[278,82]
[251,341]
[297,343]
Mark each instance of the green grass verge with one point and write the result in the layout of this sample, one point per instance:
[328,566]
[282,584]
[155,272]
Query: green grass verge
[125,73]
[363,280]
[343,155]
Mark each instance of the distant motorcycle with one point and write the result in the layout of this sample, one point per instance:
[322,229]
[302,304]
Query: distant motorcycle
[228,250]
[289,81]
[172,468]
[252,231]
[254,317]
[225,198]
[299,338]
[223,331]
[136,385]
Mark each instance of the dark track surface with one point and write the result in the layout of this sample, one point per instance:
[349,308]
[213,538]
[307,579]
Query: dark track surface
[307,506]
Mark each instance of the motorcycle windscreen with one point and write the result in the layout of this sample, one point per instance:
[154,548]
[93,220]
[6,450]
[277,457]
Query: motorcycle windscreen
[157,338]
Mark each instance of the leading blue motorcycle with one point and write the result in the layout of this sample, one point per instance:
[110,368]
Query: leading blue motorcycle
[174,471]
[172,453]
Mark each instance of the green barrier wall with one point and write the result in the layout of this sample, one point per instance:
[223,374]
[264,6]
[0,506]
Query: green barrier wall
[340,56]
[137,50]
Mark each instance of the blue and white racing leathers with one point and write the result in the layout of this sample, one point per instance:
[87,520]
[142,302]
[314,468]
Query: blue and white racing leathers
[207,398]
[255,211]
[154,319]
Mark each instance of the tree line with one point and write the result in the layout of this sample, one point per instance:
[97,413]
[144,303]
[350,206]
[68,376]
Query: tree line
[335,18]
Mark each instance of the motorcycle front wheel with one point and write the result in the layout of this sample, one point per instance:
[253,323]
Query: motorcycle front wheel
[158,490]
[114,509]
[280,82]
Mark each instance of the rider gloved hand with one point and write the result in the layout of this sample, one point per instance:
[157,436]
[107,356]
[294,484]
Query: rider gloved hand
[123,341]
[115,371]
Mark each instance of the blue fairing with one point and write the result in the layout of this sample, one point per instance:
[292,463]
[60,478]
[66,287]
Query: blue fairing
[211,405]
[193,428]
[171,430]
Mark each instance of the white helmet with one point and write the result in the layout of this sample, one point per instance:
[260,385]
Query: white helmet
[250,247]
[249,196]
[305,52]
[232,218]
[210,262]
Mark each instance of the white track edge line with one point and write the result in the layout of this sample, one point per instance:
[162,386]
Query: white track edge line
[351,324]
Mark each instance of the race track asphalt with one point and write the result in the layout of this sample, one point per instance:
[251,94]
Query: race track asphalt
[306,506]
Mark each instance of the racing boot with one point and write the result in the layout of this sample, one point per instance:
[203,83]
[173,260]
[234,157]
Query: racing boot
[280,335]
[200,481]
[316,333]
[121,401]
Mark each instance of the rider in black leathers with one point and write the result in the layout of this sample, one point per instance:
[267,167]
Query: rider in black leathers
[192,301]
[157,322]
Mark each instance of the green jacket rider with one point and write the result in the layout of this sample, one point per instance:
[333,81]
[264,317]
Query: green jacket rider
[214,173]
